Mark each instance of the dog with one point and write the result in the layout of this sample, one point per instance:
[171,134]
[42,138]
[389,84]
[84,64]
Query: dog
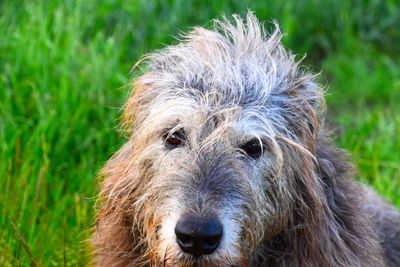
[228,163]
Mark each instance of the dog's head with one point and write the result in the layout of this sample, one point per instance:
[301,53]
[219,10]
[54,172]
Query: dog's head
[223,130]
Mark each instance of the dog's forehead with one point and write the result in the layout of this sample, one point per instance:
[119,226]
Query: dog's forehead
[201,115]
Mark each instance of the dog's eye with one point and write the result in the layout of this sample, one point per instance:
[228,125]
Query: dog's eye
[253,148]
[173,140]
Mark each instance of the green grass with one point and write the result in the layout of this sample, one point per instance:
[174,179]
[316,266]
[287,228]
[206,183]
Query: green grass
[62,62]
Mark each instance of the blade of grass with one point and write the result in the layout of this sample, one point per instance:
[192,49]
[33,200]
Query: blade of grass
[23,242]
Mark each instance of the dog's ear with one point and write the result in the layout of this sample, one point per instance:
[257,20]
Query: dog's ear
[114,232]
[304,111]
[137,98]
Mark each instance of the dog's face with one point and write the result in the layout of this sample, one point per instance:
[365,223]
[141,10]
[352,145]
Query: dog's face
[214,179]
[222,130]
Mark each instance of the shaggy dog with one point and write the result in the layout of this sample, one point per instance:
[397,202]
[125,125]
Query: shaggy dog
[227,164]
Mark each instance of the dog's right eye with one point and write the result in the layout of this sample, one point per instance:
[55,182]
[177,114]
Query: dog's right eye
[173,140]
[253,148]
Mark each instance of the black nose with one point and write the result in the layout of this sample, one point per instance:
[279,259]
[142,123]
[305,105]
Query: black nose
[198,235]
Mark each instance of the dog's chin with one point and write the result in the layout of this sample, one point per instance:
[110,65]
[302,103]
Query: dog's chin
[201,261]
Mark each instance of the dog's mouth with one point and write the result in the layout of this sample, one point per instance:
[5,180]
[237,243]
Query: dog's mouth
[199,262]
[187,260]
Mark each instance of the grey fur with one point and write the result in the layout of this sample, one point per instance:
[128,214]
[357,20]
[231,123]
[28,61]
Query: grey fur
[293,206]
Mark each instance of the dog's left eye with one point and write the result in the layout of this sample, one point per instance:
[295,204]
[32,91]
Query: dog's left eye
[173,140]
[253,148]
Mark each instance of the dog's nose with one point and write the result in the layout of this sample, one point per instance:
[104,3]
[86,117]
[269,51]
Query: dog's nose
[198,235]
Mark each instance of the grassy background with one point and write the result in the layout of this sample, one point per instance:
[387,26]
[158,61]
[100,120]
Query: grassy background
[62,62]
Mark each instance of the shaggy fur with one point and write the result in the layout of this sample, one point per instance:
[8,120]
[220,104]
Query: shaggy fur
[294,205]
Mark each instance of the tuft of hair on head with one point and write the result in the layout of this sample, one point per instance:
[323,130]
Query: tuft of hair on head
[235,64]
